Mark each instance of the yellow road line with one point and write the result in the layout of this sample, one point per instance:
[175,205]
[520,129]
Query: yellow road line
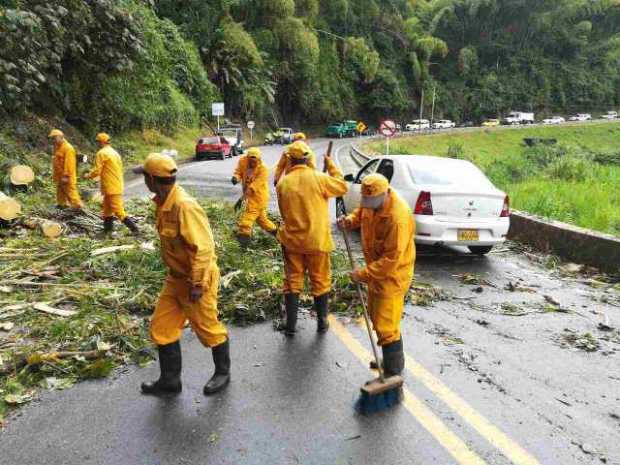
[433,424]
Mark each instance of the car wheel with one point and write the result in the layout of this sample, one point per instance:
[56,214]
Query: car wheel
[233,152]
[223,156]
[341,209]
[480,249]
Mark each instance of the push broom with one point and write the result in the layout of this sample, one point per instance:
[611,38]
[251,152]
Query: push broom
[381,393]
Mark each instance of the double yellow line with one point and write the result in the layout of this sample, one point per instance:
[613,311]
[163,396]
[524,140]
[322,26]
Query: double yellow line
[433,424]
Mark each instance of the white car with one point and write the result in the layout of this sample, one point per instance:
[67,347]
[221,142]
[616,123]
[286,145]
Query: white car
[610,115]
[444,124]
[554,120]
[418,125]
[453,202]
[581,117]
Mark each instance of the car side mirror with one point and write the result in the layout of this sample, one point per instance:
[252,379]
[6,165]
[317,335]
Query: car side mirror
[349,178]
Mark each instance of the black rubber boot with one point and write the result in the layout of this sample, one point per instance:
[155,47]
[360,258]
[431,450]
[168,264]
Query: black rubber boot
[169,381]
[244,241]
[291,302]
[108,224]
[393,358]
[221,377]
[131,225]
[320,306]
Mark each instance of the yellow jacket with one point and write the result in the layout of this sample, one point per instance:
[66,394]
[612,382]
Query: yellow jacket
[109,166]
[389,248]
[303,196]
[187,246]
[65,163]
[284,165]
[256,185]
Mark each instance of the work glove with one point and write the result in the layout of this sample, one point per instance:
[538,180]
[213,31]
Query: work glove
[342,222]
[238,204]
[64,180]
[195,293]
[234,180]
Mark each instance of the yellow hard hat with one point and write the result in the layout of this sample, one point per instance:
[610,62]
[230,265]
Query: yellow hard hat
[158,165]
[253,152]
[298,150]
[103,138]
[299,136]
[55,133]
[374,184]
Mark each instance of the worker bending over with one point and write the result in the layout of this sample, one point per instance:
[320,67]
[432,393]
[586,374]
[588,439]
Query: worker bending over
[65,171]
[285,165]
[305,233]
[109,168]
[190,289]
[253,175]
[387,229]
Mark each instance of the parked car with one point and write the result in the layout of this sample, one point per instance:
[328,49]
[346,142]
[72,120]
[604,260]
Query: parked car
[581,117]
[554,120]
[453,202]
[344,129]
[489,123]
[519,117]
[234,137]
[418,125]
[213,147]
[610,115]
[285,135]
[444,124]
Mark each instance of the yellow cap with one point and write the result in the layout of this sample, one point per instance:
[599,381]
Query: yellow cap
[299,136]
[103,138]
[375,184]
[298,150]
[253,152]
[55,132]
[158,165]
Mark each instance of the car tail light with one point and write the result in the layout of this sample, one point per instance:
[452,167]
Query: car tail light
[505,208]
[424,205]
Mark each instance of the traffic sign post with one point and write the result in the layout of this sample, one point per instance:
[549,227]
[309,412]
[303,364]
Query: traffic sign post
[387,128]
[251,125]
[217,109]
[361,127]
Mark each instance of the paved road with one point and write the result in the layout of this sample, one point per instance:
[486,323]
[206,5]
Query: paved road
[484,386]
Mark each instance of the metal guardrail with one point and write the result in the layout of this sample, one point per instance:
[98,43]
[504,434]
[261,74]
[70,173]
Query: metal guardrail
[358,157]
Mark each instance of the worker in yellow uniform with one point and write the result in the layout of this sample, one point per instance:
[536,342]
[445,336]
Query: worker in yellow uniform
[253,175]
[65,171]
[387,229]
[284,164]
[305,233]
[191,286]
[109,167]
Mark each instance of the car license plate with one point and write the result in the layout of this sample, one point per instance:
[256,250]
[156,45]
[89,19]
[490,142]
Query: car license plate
[468,235]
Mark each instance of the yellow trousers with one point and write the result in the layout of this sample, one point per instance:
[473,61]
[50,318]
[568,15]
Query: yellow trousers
[386,311]
[174,308]
[113,206]
[319,269]
[252,215]
[67,195]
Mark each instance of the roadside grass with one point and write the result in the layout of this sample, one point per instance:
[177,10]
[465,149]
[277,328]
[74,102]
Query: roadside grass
[576,181]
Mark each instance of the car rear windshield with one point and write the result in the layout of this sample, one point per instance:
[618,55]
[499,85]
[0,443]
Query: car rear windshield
[448,172]
[209,141]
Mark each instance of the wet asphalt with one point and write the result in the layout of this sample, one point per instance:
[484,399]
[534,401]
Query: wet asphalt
[499,378]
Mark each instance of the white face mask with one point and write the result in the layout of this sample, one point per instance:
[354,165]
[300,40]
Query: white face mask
[373,202]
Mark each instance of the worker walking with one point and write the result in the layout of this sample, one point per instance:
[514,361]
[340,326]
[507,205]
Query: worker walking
[305,233]
[253,175]
[387,229]
[109,168]
[191,287]
[285,165]
[65,171]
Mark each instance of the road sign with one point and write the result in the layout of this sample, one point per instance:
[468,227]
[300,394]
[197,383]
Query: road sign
[217,109]
[251,124]
[387,128]
[361,127]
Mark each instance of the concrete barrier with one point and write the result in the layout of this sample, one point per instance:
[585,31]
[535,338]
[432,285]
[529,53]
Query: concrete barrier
[567,241]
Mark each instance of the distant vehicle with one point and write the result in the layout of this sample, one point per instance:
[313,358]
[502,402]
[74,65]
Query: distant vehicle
[489,123]
[285,135]
[453,202]
[344,129]
[444,124]
[467,124]
[554,120]
[213,147]
[418,125]
[581,117]
[519,117]
[610,115]
[234,136]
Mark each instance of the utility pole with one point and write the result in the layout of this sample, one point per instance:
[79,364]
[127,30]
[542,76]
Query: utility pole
[433,108]
[422,104]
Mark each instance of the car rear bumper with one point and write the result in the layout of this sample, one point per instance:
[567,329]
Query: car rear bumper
[429,231]
[207,155]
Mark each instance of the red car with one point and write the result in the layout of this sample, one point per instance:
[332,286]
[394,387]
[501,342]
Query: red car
[213,147]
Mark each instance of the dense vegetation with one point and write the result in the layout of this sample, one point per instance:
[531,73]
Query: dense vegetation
[575,181]
[159,63]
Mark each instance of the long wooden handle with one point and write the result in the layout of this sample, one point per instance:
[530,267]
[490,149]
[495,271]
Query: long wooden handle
[329,154]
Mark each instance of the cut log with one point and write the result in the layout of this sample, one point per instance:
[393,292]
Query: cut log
[21,175]
[9,208]
[51,229]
